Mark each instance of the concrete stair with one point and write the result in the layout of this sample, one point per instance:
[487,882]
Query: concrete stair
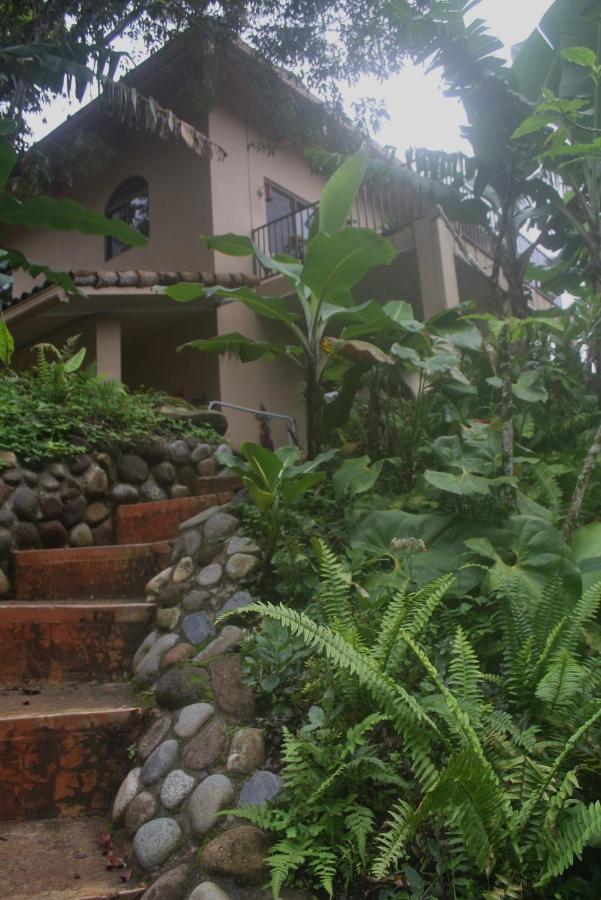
[67,713]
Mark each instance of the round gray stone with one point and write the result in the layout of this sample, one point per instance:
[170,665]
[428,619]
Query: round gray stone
[191,718]
[175,788]
[48,482]
[228,638]
[201,452]
[155,842]
[25,503]
[240,598]
[262,787]
[198,628]
[150,492]
[81,536]
[142,809]
[192,542]
[164,473]
[132,468]
[208,891]
[95,482]
[212,795]
[149,665]
[195,600]
[160,761]
[130,787]
[125,493]
[239,544]
[240,565]
[219,526]
[179,452]
[183,570]
[144,647]
[210,575]
[247,751]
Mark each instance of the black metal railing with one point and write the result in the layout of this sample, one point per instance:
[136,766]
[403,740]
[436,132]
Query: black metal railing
[386,212]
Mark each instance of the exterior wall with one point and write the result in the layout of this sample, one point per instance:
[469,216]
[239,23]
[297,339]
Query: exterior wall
[180,211]
[151,359]
[238,205]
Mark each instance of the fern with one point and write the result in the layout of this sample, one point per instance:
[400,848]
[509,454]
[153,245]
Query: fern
[360,823]
[582,827]
[464,673]
[561,683]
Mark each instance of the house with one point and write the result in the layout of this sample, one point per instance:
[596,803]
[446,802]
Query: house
[175,195]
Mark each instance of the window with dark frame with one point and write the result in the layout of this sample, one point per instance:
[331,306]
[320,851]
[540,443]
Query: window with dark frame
[129,203]
[288,221]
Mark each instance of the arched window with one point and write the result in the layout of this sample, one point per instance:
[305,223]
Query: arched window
[130,204]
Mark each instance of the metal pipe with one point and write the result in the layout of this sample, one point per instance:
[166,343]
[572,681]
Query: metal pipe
[261,412]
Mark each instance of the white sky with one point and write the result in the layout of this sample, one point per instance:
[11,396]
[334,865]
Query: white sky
[420,115]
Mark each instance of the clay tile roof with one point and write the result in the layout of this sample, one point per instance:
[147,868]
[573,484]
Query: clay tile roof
[133,278]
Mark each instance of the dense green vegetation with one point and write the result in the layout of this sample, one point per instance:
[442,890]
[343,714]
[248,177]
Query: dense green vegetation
[59,407]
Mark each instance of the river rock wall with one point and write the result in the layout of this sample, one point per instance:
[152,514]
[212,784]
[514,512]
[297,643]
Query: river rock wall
[72,502]
[202,753]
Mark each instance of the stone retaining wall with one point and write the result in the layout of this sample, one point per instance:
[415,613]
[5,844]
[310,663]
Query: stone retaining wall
[72,502]
[202,752]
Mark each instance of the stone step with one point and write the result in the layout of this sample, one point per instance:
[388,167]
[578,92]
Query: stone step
[59,859]
[86,573]
[63,751]
[141,523]
[56,642]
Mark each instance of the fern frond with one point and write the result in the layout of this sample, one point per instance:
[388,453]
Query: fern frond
[284,857]
[531,804]
[582,827]
[584,612]
[464,671]
[398,704]
[360,823]
[334,589]
[562,795]
[324,864]
[393,838]
[562,682]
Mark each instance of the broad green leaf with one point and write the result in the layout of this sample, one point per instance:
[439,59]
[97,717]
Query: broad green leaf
[66,215]
[339,194]
[529,389]
[356,476]
[401,313]
[245,349]
[482,546]
[465,484]
[444,539]
[264,462]
[7,344]
[293,488]
[16,260]
[538,554]
[268,307]
[407,354]
[580,56]
[230,244]
[586,547]
[263,499]
[341,261]
[76,361]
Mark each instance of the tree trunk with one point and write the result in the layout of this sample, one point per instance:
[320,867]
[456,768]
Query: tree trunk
[586,472]
[314,407]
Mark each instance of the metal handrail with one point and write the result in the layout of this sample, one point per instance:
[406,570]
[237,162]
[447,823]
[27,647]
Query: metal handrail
[262,413]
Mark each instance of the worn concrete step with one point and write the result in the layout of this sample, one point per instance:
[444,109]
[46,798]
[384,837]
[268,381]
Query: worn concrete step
[87,573]
[63,751]
[141,523]
[66,641]
[59,859]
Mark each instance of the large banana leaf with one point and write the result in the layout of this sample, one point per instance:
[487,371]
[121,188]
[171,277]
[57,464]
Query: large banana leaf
[242,347]
[65,215]
[339,194]
[338,262]
[268,307]
[539,63]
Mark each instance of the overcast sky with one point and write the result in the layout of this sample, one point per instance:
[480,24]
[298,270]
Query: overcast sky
[420,115]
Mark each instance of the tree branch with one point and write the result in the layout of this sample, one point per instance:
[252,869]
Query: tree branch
[584,478]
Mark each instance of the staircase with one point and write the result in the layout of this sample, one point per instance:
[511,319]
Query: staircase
[67,711]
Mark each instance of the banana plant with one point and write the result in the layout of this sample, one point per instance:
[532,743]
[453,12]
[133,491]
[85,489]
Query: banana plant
[337,258]
[274,480]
